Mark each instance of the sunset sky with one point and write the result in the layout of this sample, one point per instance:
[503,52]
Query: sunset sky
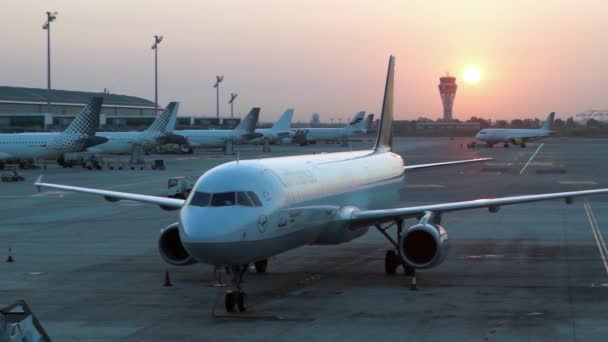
[323,56]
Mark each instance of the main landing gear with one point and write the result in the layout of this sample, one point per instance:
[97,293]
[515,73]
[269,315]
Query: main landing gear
[393,259]
[236,298]
[506,145]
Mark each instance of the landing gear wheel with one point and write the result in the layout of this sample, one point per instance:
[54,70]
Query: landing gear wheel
[241,298]
[391,262]
[261,266]
[523,145]
[230,301]
[506,145]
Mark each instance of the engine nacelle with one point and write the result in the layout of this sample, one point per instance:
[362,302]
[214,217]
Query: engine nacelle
[424,245]
[171,248]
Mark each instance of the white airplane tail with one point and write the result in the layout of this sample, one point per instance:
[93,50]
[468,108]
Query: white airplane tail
[249,122]
[549,122]
[87,120]
[384,142]
[284,122]
[357,118]
[368,122]
[165,122]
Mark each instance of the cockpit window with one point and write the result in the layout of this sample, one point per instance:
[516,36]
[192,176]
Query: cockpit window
[223,199]
[254,198]
[243,199]
[200,199]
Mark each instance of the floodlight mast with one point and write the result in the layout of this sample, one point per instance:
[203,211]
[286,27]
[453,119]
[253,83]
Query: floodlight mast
[231,102]
[219,80]
[157,40]
[50,17]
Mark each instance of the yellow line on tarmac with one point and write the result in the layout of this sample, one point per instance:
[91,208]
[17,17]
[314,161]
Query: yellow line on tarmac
[599,240]
[532,157]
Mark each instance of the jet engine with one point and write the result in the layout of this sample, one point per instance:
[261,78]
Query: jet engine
[424,245]
[171,248]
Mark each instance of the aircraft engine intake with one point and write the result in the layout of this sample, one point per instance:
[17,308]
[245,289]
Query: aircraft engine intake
[424,245]
[171,248]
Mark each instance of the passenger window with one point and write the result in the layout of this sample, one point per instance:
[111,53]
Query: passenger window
[254,198]
[223,199]
[200,199]
[243,199]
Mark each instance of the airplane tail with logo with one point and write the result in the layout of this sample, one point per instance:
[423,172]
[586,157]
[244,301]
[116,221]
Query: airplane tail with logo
[549,122]
[357,118]
[284,122]
[86,121]
[165,121]
[248,124]
[357,123]
[368,122]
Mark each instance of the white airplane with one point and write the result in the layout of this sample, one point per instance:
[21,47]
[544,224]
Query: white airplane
[218,137]
[247,211]
[159,133]
[357,125]
[279,131]
[516,136]
[79,135]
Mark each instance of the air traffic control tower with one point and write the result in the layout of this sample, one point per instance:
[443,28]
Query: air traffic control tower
[447,89]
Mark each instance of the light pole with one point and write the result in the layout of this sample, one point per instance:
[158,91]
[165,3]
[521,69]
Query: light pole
[50,17]
[231,102]
[157,40]
[219,80]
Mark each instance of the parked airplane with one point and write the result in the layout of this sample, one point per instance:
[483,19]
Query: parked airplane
[247,211]
[159,133]
[516,136]
[279,131]
[218,137]
[357,125]
[79,135]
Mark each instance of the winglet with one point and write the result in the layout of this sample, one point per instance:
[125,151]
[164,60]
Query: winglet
[384,142]
[37,182]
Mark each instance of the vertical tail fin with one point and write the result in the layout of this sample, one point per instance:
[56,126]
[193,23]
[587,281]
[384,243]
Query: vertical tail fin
[249,122]
[357,118]
[368,122]
[165,121]
[549,122]
[284,122]
[384,142]
[87,120]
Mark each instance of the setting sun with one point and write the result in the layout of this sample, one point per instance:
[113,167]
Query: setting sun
[472,75]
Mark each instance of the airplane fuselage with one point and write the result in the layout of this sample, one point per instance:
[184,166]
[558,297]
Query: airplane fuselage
[40,145]
[302,199]
[210,138]
[497,135]
[123,142]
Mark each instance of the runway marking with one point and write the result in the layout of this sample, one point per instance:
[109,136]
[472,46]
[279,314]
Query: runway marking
[599,239]
[577,182]
[532,157]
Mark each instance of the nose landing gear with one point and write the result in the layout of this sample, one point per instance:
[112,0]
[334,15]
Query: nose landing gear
[236,298]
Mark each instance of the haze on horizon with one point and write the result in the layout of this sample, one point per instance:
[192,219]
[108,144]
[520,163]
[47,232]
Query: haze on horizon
[319,56]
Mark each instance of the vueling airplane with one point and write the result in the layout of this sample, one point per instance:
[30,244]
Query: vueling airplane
[79,135]
[279,131]
[516,136]
[218,137]
[357,125]
[247,211]
[159,133]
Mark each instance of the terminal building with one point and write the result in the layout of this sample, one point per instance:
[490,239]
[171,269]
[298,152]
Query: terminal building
[26,109]
[598,115]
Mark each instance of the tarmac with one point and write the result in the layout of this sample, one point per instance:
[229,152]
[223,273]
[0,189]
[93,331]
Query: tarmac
[90,270]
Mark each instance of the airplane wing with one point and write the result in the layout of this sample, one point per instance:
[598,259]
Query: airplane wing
[114,196]
[426,166]
[371,217]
